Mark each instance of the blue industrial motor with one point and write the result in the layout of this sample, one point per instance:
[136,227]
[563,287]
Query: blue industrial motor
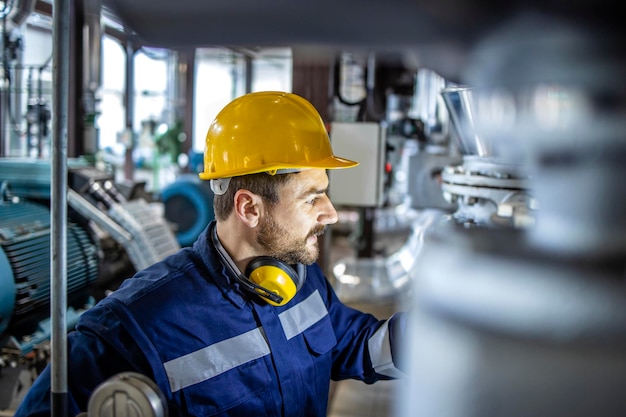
[188,205]
[25,271]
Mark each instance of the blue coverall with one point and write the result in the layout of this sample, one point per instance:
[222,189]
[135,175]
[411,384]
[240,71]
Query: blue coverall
[215,350]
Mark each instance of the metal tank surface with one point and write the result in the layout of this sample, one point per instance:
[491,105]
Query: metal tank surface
[500,329]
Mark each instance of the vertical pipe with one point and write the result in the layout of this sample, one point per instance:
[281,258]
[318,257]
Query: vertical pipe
[4,98]
[29,111]
[58,192]
[38,111]
[129,104]
[173,88]
[16,121]
[91,53]
[92,46]
[248,74]
[186,74]
[3,94]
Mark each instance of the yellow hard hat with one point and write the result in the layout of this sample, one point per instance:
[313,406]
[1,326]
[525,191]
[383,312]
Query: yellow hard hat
[268,131]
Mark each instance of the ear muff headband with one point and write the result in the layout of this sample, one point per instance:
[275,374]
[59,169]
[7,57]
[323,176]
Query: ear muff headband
[245,283]
[270,278]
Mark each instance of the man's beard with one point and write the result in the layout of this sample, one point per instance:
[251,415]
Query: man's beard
[278,243]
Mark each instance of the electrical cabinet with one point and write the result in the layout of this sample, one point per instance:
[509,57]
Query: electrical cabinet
[361,186]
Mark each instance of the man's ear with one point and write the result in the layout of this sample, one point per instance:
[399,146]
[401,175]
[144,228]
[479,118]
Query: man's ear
[248,206]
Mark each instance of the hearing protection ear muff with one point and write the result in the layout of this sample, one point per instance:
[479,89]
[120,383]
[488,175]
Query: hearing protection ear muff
[276,276]
[270,278]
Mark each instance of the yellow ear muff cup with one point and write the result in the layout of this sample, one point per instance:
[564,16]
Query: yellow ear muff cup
[276,280]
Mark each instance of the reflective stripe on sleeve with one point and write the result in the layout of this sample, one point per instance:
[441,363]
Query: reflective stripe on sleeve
[303,315]
[218,358]
[380,353]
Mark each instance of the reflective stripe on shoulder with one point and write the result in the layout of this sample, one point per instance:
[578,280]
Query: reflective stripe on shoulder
[380,353]
[218,358]
[303,315]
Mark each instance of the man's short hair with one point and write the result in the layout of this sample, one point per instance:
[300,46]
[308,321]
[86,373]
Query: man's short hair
[262,184]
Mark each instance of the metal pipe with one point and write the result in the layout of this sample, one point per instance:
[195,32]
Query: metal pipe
[4,95]
[16,120]
[93,44]
[4,105]
[58,221]
[129,105]
[249,74]
[38,112]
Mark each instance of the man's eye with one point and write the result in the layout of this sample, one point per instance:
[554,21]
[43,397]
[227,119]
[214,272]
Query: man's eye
[313,200]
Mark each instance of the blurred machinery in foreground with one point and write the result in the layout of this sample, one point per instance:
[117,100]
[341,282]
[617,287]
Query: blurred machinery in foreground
[110,235]
[529,321]
[127,394]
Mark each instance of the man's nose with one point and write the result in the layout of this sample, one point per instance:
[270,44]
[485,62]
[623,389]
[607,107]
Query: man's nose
[328,214]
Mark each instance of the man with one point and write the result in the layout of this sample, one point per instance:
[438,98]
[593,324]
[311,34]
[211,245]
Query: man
[243,323]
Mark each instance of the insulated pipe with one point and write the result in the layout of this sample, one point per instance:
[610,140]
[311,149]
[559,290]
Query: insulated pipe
[22,9]
[58,221]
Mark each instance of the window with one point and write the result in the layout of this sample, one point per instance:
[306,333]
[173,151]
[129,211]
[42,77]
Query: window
[221,77]
[111,119]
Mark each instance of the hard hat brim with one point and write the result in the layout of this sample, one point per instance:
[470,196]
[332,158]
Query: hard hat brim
[333,162]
